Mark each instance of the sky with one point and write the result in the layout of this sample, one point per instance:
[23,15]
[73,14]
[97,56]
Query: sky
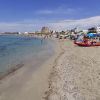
[31,15]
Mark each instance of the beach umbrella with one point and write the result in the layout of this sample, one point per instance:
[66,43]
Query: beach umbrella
[89,35]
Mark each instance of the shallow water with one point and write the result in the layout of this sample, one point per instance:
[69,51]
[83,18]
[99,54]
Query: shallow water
[14,50]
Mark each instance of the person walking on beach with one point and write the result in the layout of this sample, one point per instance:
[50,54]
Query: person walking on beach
[42,41]
[46,36]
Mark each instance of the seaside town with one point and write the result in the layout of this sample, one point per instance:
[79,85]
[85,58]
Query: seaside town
[89,37]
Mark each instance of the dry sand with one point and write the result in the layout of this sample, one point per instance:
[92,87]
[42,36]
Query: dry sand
[76,74]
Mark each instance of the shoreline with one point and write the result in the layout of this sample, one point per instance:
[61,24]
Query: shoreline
[20,64]
[53,72]
[30,85]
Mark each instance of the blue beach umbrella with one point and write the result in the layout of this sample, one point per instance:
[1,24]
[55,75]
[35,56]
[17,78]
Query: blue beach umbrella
[89,34]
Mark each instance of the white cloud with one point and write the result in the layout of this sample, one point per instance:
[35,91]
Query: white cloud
[22,26]
[34,25]
[44,12]
[82,23]
[59,10]
[12,27]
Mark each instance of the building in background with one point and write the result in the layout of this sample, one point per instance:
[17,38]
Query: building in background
[98,29]
[45,30]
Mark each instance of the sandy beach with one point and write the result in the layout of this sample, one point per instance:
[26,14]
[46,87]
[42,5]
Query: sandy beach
[72,73]
[76,75]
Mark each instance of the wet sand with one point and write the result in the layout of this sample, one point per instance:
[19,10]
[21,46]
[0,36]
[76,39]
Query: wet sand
[28,83]
[76,74]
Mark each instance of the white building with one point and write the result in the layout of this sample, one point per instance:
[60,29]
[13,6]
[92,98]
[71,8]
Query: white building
[85,31]
[26,33]
[98,29]
[19,33]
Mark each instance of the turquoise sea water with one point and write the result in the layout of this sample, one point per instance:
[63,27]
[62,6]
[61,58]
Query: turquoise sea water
[15,49]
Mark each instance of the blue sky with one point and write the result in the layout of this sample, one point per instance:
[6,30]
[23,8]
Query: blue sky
[28,15]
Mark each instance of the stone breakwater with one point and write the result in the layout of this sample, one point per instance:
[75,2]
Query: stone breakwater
[76,74]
